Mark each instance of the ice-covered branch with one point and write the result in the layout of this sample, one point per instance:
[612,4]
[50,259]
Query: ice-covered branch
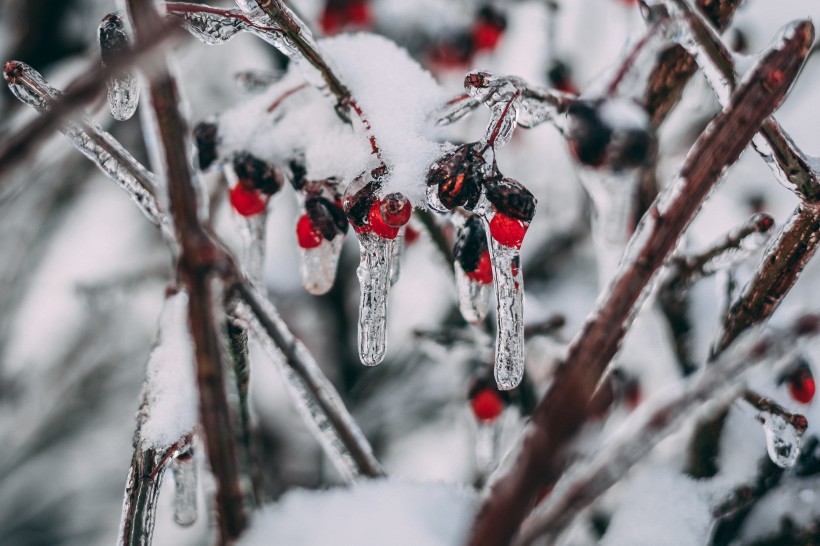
[655,421]
[563,409]
[80,92]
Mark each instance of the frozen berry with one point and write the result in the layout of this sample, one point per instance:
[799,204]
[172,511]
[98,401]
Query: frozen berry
[588,136]
[801,385]
[327,216]
[483,273]
[247,201]
[257,173]
[470,244]
[487,404]
[459,176]
[307,235]
[511,198]
[377,223]
[488,29]
[507,231]
[358,200]
[560,77]
[396,210]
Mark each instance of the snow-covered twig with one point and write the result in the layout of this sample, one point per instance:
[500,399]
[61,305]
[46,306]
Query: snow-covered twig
[653,423]
[563,409]
[80,92]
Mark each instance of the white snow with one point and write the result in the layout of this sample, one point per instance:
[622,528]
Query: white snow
[373,513]
[170,388]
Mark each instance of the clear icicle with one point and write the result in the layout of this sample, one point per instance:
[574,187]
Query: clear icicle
[318,265]
[123,88]
[473,297]
[184,472]
[374,282]
[613,198]
[213,28]
[487,447]
[739,245]
[782,439]
[509,293]
[395,264]
[96,144]
[306,398]
[252,229]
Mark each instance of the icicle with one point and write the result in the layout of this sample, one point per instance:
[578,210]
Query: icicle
[306,398]
[320,231]
[509,293]
[184,472]
[93,142]
[213,28]
[374,281]
[123,88]
[318,265]
[252,229]
[487,446]
[395,264]
[783,438]
[473,288]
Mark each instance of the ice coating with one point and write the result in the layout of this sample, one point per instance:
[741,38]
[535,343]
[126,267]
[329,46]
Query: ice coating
[374,281]
[318,265]
[509,294]
[213,28]
[145,492]
[782,439]
[487,446]
[96,144]
[305,398]
[473,297]
[398,251]
[123,88]
[184,472]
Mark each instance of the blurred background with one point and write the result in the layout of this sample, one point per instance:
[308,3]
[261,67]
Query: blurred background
[83,275]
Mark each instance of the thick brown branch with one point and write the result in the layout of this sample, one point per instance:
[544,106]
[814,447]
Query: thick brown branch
[563,409]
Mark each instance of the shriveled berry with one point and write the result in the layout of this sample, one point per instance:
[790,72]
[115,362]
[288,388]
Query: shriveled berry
[205,138]
[247,201]
[357,202]
[327,216]
[396,209]
[257,173]
[471,243]
[588,136]
[487,404]
[511,198]
[298,174]
[483,273]
[377,223]
[459,176]
[507,231]
[307,234]
[560,77]
[801,385]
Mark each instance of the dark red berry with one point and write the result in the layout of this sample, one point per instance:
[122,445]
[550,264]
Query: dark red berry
[455,53]
[801,385]
[483,273]
[411,235]
[507,231]
[298,174]
[247,201]
[588,136]
[396,209]
[359,14]
[377,223]
[205,138]
[261,175]
[331,20]
[511,198]
[763,222]
[560,77]
[358,201]
[487,405]
[488,29]
[307,234]
[471,244]
[459,176]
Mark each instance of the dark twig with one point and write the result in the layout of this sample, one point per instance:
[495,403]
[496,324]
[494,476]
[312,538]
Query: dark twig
[764,404]
[196,267]
[80,92]
[563,409]
[653,425]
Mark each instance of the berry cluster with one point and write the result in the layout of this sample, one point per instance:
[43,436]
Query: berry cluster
[323,218]
[369,213]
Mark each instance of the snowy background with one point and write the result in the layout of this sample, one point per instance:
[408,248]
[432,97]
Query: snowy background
[83,279]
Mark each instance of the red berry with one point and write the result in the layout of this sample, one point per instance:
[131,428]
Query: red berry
[507,231]
[487,405]
[483,273]
[486,35]
[801,385]
[358,14]
[330,21]
[395,210]
[247,201]
[377,224]
[307,236]
[411,235]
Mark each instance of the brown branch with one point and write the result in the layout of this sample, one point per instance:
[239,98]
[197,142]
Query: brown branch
[563,410]
[196,267]
[80,92]
[767,405]
[141,494]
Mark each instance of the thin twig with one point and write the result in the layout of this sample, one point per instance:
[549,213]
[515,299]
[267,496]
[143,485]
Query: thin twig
[764,404]
[80,92]
[563,409]
[718,384]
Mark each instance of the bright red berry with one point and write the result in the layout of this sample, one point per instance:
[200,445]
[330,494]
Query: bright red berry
[377,223]
[358,14]
[247,201]
[483,273]
[395,209]
[307,236]
[487,405]
[486,35]
[507,231]
[330,21]
[801,385]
